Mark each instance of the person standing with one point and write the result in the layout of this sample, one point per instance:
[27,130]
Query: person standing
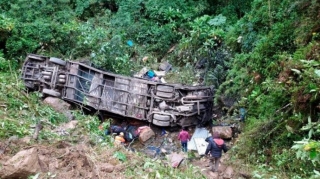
[215,147]
[184,137]
[242,114]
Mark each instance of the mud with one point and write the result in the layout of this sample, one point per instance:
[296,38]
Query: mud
[65,159]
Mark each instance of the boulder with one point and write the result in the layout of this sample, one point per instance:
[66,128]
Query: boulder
[228,173]
[107,167]
[222,168]
[60,106]
[225,131]
[175,159]
[22,165]
[165,66]
[213,174]
[70,125]
[146,134]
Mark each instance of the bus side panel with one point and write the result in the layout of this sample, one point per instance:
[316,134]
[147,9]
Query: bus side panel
[120,96]
[137,100]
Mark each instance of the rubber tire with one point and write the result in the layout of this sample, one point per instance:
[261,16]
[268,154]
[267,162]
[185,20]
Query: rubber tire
[57,61]
[161,117]
[51,92]
[163,94]
[49,73]
[36,58]
[161,123]
[163,88]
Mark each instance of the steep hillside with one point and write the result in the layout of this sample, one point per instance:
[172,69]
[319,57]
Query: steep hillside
[260,55]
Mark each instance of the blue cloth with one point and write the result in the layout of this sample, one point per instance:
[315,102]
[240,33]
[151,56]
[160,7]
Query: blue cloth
[184,146]
[150,74]
[116,129]
[214,149]
[130,43]
[163,132]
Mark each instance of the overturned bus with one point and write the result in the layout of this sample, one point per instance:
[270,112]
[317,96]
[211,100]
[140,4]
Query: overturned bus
[154,102]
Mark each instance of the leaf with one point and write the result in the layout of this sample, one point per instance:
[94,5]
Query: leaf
[316,172]
[147,164]
[218,20]
[289,129]
[296,71]
[120,156]
[158,174]
[310,133]
[313,154]
[317,72]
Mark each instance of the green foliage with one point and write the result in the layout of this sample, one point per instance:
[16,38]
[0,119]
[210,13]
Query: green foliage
[40,26]
[4,64]
[6,25]
[183,75]
[265,54]
[156,169]
[120,156]
[15,107]
[206,33]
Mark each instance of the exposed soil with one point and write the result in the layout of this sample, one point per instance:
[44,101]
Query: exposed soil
[66,159]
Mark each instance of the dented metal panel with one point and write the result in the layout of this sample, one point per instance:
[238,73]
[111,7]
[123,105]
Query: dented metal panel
[160,104]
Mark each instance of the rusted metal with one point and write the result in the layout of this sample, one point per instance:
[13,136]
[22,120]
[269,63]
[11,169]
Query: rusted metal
[136,98]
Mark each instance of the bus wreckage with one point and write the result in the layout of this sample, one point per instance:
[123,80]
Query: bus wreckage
[161,104]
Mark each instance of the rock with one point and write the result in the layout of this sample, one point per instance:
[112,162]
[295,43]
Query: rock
[146,134]
[225,131]
[165,66]
[26,140]
[22,165]
[59,106]
[107,167]
[151,153]
[222,168]
[175,159]
[70,125]
[245,175]
[120,167]
[228,173]
[213,174]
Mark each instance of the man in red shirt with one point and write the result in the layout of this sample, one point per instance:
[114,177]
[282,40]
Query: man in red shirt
[184,137]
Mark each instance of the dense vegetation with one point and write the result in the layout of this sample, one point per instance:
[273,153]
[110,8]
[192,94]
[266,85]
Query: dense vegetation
[263,54]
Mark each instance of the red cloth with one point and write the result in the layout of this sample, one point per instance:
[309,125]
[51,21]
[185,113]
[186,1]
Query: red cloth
[140,129]
[184,136]
[218,141]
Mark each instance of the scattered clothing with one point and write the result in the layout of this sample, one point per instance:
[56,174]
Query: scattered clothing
[119,139]
[116,129]
[131,133]
[184,137]
[163,132]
